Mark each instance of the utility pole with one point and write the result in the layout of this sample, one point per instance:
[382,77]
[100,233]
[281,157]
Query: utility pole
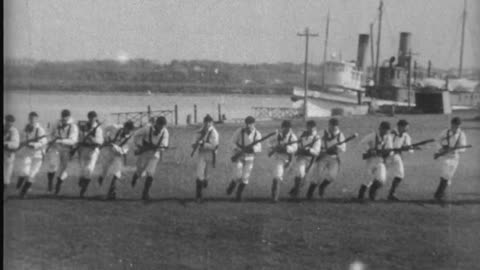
[372,53]
[307,36]
[464,18]
[325,50]
[409,76]
[377,58]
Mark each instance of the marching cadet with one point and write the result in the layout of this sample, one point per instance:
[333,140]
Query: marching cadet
[63,137]
[328,165]
[400,138]
[35,141]
[116,146]
[308,148]
[451,142]
[11,141]
[150,141]
[284,146]
[242,141]
[206,141]
[91,138]
[379,145]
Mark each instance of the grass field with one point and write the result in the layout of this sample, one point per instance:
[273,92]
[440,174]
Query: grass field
[174,232]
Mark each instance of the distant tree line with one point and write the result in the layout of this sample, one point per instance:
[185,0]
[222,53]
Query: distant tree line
[141,75]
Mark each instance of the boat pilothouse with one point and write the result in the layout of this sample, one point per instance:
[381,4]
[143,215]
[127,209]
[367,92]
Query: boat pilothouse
[341,76]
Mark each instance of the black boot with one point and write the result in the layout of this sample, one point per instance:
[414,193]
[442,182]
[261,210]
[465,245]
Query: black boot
[146,188]
[275,190]
[58,186]
[321,188]
[134,179]
[391,195]
[50,177]
[25,188]
[111,191]
[311,190]
[84,187]
[442,186]
[231,187]
[20,181]
[100,180]
[198,193]
[372,192]
[361,192]
[240,189]
[296,188]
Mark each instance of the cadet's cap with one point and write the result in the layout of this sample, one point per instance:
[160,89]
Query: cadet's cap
[456,121]
[91,114]
[207,118]
[161,121]
[10,118]
[286,124]
[249,120]
[33,114]
[385,125]
[66,113]
[311,123]
[402,123]
[333,121]
[128,125]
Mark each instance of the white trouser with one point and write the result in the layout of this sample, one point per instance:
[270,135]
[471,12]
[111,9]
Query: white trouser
[376,169]
[8,163]
[112,162]
[280,160]
[327,168]
[58,158]
[242,170]
[204,158]
[395,166]
[31,166]
[88,158]
[448,166]
[301,165]
[147,163]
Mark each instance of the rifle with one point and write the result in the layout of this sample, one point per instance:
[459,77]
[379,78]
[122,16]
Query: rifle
[51,143]
[302,151]
[197,144]
[275,149]
[147,147]
[237,155]
[75,149]
[384,152]
[26,142]
[450,150]
[331,148]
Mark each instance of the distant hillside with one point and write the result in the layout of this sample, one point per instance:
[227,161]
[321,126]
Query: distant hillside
[142,75]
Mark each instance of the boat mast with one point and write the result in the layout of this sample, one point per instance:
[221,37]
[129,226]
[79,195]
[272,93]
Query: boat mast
[325,51]
[464,18]
[380,9]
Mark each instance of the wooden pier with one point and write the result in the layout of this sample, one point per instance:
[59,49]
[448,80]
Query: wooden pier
[142,118]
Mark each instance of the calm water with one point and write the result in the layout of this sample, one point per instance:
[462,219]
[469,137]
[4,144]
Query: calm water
[49,104]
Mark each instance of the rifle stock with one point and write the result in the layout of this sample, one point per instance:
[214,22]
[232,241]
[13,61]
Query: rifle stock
[237,155]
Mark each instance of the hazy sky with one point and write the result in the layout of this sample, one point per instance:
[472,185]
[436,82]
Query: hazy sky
[247,31]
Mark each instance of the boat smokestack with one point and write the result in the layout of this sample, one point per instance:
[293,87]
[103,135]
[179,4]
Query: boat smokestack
[362,50]
[404,49]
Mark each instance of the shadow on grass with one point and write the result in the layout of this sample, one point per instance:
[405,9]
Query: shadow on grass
[185,201]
